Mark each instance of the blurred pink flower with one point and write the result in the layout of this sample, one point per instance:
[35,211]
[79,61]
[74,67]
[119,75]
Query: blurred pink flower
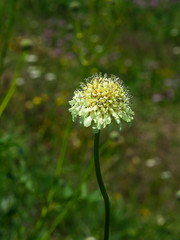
[157,97]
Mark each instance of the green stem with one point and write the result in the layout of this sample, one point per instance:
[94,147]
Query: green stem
[12,87]
[12,11]
[101,185]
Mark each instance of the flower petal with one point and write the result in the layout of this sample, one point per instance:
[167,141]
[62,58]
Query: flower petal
[87,121]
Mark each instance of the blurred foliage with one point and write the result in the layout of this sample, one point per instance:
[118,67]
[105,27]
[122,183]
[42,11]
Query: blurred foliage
[48,188]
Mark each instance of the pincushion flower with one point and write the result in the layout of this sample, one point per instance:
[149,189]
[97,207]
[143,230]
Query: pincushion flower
[101,100]
[98,102]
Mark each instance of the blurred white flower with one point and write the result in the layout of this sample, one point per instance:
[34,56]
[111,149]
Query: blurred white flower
[34,72]
[166,175]
[20,81]
[7,203]
[152,162]
[176,50]
[98,48]
[174,32]
[31,58]
[160,220]
[50,76]
[90,238]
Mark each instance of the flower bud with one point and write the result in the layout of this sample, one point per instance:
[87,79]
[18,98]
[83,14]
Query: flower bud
[26,44]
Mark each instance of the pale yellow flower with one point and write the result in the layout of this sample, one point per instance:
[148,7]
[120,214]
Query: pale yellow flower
[101,100]
[37,100]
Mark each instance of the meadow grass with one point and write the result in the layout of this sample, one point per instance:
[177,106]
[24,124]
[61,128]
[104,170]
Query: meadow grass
[48,188]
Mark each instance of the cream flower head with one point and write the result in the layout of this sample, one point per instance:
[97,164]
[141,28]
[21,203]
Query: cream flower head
[101,100]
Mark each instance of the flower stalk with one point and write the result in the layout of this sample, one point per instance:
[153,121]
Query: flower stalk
[99,102]
[101,186]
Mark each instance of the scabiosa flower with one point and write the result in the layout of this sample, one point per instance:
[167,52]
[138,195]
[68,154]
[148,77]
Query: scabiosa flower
[101,100]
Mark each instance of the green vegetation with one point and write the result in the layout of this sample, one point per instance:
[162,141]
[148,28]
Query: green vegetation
[48,188]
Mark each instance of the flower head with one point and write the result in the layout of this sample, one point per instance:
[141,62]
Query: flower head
[101,100]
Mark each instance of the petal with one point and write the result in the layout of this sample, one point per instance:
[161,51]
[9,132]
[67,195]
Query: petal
[87,121]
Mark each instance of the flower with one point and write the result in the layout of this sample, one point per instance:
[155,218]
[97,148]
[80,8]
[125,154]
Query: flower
[101,100]
[166,175]
[50,76]
[20,81]
[26,44]
[34,72]
[90,238]
[37,100]
[152,162]
[145,212]
[31,58]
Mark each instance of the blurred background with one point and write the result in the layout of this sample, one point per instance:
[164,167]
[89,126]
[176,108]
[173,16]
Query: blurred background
[48,188]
